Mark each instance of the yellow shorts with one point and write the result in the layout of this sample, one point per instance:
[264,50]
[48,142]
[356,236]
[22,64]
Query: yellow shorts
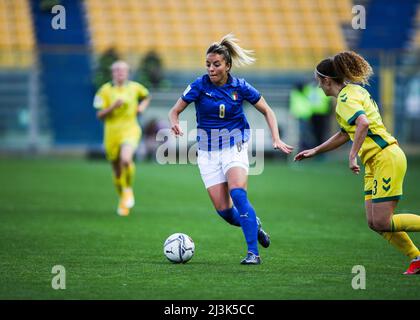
[384,175]
[114,140]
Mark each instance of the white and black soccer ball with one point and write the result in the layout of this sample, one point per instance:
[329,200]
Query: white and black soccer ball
[179,248]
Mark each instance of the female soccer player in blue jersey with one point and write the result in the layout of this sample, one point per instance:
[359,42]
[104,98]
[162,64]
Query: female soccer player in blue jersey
[385,162]
[223,132]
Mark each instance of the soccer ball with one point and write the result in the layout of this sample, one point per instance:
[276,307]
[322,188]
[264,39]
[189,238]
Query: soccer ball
[179,248]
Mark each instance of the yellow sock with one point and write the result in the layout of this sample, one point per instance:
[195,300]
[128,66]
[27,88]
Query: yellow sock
[123,178]
[405,222]
[402,242]
[130,171]
[121,181]
[118,186]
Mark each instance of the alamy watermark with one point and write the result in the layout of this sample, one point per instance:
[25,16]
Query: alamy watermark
[184,149]
[359,280]
[58,282]
[58,22]
[359,20]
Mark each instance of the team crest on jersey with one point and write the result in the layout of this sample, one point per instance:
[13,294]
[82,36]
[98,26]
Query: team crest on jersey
[234,95]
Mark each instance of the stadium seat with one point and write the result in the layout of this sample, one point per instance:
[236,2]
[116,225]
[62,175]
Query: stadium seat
[16,34]
[282,33]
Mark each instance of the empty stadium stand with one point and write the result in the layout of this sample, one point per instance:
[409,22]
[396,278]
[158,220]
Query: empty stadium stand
[284,34]
[16,34]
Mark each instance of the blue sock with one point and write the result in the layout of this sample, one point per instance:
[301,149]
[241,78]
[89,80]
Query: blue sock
[247,218]
[231,215]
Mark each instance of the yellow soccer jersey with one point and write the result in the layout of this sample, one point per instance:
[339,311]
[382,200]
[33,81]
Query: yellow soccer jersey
[352,101]
[126,115]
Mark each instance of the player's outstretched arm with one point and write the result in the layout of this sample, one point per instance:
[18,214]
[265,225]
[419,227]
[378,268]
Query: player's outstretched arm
[263,107]
[332,143]
[174,113]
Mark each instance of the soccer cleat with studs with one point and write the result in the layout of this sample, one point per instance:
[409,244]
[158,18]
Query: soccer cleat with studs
[263,237]
[414,267]
[251,258]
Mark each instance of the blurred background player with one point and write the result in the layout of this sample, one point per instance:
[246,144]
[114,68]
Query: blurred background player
[385,163]
[223,158]
[311,108]
[300,109]
[320,106]
[118,103]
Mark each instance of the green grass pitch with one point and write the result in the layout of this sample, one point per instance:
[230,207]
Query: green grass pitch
[62,212]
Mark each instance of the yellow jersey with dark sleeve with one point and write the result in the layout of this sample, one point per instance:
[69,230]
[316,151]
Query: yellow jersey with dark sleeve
[352,101]
[124,117]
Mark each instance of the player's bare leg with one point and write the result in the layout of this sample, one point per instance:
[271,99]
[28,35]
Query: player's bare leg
[219,196]
[381,214]
[237,178]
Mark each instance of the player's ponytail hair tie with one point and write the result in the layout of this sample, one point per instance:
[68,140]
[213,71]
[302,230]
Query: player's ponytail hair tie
[231,51]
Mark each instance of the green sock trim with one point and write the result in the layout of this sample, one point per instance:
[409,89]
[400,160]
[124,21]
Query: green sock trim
[385,199]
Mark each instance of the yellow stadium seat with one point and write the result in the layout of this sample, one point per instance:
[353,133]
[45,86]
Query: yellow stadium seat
[281,32]
[16,35]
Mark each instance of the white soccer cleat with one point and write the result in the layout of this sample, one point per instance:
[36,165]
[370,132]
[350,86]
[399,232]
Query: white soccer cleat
[128,198]
[122,209]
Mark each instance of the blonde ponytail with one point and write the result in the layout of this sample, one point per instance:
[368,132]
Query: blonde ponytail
[240,57]
[232,52]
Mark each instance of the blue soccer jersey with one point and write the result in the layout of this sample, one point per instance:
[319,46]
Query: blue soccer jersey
[221,121]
